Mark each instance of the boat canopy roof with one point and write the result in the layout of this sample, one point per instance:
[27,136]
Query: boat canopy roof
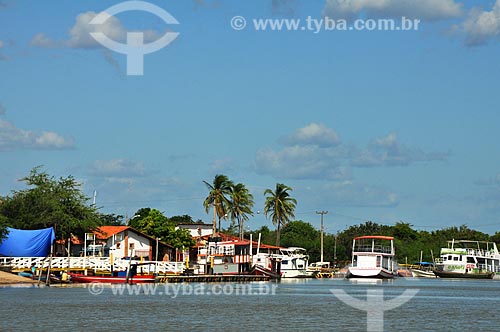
[378,237]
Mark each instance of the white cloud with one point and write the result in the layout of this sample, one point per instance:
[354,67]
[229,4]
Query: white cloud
[425,10]
[317,134]
[300,159]
[13,138]
[388,151]
[79,33]
[41,40]
[301,162]
[481,25]
[117,168]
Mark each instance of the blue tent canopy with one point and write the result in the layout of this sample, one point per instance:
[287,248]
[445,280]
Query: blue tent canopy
[27,243]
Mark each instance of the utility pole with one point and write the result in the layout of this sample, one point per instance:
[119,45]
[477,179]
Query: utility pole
[321,213]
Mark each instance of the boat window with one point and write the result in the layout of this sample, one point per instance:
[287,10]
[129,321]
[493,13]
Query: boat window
[470,260]
[284,262]
[455,258]
[450,258]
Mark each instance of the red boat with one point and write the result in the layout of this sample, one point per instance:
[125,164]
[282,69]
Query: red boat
[80,278]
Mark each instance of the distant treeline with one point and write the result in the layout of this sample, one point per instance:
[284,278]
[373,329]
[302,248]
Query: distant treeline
[409,243]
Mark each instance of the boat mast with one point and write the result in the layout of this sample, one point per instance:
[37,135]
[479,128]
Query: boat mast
[322,231]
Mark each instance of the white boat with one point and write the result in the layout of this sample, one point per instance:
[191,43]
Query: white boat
[292,262]
[422,270]
[372,257]
[468,259]
[317,267]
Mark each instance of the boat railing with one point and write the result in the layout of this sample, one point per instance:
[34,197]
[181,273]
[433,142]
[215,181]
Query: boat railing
[370,248]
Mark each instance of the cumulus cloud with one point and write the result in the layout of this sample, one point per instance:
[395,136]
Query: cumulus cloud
[117,168]
[302,162]
[13,138]
[79,33]
[315,134]
[388,151]
[426,10]
[316,152]
[482,26]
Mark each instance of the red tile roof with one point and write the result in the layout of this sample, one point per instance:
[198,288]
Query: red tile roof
[105,232]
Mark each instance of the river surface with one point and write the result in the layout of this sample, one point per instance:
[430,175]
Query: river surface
[291,305]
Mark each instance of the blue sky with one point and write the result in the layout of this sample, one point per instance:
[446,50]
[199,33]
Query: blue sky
[369,125]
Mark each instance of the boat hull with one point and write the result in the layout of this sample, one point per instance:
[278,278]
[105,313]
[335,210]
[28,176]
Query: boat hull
[370,273]
[422,274]
[485,275]
[112,280]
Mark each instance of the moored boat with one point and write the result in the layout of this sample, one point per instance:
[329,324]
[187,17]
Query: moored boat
[80,278]
[292,262]
[372,257]
[468,259]
[422,270]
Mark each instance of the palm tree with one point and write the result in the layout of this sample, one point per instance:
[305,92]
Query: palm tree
[241,205]
[280,206]
[219,192]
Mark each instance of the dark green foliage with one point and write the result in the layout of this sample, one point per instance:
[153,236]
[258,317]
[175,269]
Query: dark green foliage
[50,202]
[411,245]
[155,224]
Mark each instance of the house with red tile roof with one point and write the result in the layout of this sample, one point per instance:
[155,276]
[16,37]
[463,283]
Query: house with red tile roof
[125,241]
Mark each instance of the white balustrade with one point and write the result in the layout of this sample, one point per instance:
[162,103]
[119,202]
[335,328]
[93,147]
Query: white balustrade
[93,263]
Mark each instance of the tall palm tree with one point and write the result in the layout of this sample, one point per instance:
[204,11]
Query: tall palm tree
[217,198]
[280,206]
[241,206]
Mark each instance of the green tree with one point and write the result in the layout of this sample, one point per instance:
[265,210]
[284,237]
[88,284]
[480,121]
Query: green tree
[241,206]
[156,225]
[280,206]
[218,196]
[50,202]
[3,226]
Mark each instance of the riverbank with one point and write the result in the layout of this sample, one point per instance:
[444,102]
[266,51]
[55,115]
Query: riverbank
[9,279]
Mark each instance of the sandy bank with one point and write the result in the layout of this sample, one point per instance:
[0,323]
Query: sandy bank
[9,278]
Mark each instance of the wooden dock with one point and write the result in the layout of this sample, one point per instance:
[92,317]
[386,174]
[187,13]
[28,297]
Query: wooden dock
[211,278]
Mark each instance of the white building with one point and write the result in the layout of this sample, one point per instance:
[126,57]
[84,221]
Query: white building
[124,241]
[197,230]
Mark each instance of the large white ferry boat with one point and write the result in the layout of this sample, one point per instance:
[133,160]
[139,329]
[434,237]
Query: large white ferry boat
[372,257]
[468,259]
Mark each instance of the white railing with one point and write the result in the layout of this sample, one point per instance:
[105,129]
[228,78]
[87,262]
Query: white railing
[93,263]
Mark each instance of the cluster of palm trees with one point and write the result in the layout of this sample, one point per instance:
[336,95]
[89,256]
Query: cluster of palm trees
[236,202]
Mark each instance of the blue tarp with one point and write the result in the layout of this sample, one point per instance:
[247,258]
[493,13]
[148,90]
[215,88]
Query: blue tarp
[27,243]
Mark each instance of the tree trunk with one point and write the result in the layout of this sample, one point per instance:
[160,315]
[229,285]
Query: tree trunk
[278,235]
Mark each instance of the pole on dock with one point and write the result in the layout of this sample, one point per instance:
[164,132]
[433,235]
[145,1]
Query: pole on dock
[322,230]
